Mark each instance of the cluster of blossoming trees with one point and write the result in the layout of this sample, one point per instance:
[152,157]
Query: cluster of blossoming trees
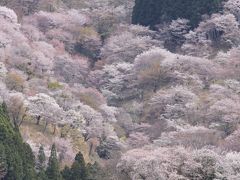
[176,115]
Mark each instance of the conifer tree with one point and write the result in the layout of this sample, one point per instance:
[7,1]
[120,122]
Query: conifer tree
[3,163]
[78,169]
[28,163]
[66,173]
[53,170]
[18,155]
[40,164]
[95,171]
[41,159]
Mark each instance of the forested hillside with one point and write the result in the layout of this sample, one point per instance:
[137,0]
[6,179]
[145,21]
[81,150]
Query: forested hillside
[152,12]
[17,160]
[119,90]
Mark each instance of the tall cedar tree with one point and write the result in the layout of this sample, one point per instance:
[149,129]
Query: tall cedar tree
[78,169]
[53,170]
[40,164]
[3,162]
[66,173]
[152,12]
[18,156]
[41,159]
[95,171]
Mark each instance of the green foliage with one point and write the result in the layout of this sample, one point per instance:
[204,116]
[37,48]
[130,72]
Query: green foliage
[41,159]
[54,85]
[28,163]
[81,171]
[78,169]
[17,155]
[53,170]
[3,161]
[96,172]
[152,12]
[40,164]
[66,173]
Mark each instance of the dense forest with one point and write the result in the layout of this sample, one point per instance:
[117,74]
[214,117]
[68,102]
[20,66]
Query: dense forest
[153,12]
[119,90]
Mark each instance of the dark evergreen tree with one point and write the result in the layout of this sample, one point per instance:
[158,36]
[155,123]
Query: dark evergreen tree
[28,163]
[95,172]
[152,12]
[3,162]
[41,159]
[78,169]
[53,170]
[40,164]
[66,173]
[18,156]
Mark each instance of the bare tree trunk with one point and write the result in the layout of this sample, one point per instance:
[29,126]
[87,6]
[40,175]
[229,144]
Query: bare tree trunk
[38,120]
[15,123]
[45,128]
[86,137]
[21,121]
[91,147]
[54,129]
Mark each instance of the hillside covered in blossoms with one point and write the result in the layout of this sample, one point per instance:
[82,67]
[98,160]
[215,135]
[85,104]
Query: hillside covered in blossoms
[119,89]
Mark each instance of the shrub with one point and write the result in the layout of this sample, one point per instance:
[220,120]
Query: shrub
[15,81]
[54,85]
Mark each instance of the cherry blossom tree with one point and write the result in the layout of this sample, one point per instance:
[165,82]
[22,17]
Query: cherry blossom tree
[42,106]
[195,137]
[231,142]
[232,6]
[125,46]
[70,70]
[158,67]
[224,115]
[8,14]
[175,103]
[16,108]
[218,32]
[148,68]
[174,34]
[115,82]
[178,163]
